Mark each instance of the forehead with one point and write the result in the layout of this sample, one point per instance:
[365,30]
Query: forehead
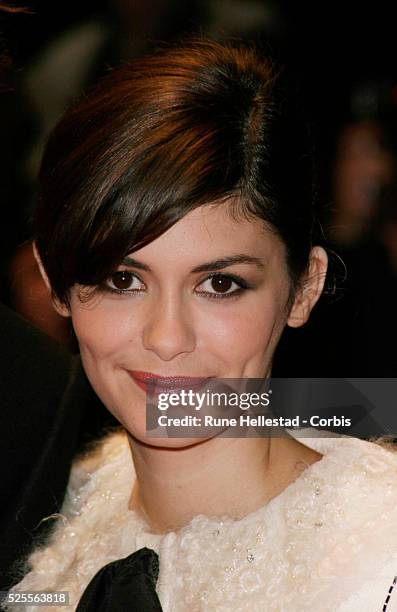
[211,231]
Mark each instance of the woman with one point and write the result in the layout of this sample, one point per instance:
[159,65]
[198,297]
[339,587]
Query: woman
[175,228]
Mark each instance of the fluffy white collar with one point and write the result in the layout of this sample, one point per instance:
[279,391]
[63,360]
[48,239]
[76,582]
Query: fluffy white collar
[310,548]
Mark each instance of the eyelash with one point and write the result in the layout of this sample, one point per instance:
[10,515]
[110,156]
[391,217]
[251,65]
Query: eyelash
[242,286]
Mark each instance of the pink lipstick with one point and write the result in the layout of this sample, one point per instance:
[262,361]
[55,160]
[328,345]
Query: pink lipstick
[166,384]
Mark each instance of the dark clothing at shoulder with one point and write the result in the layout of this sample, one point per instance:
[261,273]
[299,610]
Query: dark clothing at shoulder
[48,412]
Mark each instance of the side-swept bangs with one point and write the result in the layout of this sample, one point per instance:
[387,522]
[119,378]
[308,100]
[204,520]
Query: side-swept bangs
[151,142]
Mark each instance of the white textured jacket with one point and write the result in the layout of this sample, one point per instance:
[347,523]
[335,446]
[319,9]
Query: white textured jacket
[328,542]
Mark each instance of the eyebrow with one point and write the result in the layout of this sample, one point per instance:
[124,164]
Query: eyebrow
[209,266]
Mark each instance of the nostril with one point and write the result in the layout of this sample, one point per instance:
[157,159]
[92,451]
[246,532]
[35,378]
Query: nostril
[168,336]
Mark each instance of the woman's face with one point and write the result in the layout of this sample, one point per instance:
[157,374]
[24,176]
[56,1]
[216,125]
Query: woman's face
[208,298]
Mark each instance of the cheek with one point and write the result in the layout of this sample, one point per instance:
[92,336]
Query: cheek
[246,330]
[106,337]
[102,330]
[104,333]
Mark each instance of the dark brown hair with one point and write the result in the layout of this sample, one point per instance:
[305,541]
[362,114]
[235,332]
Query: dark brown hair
[185,127]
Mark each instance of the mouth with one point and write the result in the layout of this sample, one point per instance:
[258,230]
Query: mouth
[166,384]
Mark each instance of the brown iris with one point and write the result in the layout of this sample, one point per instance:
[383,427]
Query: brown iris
[221,283]
[122,279]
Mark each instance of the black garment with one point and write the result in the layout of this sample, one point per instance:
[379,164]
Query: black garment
[126,584]
[48,411]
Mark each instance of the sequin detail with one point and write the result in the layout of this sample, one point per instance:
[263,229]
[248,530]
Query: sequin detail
[306,550]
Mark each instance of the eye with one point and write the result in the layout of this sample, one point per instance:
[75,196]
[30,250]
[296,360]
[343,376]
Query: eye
[219,286]
[123,281]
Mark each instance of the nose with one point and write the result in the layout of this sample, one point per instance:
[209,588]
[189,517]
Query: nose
[169,330]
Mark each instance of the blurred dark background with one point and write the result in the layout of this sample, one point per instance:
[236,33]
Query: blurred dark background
[343,56]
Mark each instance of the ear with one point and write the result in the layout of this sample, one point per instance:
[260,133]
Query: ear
[310,289]
[61,309]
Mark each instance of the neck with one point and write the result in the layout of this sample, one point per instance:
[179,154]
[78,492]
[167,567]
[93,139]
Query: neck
[217,477]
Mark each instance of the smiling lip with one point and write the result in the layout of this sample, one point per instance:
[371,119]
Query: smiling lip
[166,383]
